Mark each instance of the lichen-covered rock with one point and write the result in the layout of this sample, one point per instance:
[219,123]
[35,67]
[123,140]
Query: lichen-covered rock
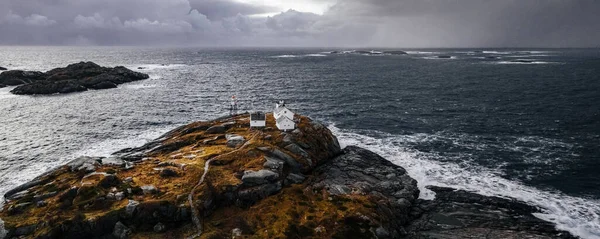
[234,140]
[252,178]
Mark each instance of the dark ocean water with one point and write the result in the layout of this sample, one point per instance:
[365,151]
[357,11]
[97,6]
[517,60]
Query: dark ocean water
[529,131]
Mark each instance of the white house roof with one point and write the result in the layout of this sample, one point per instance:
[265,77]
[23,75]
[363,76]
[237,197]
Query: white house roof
[258,116]
[283,118]
[279,111]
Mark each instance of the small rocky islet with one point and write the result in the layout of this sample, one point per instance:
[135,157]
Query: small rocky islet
[223,179]
[76,77]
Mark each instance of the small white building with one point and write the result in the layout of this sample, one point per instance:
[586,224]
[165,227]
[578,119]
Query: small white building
[284,118]
[258,119]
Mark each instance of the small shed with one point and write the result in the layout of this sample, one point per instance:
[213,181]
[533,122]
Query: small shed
[258,119]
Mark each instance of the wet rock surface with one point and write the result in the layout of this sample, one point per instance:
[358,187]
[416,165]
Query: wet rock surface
[73,78]
[457,214]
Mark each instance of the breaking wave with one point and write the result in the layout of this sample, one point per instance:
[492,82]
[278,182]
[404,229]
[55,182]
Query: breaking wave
[577,215]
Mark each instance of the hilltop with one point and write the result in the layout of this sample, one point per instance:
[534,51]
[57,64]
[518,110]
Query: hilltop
[223,179]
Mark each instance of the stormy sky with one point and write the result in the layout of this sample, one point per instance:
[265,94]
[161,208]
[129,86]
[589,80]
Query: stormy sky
[302,23]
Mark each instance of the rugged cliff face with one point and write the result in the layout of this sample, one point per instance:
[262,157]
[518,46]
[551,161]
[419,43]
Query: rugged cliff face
[221,179]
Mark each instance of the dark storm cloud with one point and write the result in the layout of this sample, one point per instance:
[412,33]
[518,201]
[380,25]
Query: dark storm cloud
[392,23]
[545,23]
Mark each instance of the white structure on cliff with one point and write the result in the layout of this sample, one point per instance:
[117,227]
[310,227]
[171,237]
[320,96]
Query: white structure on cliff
[284,118]
[258,119]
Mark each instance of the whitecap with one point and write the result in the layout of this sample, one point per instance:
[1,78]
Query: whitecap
[579,216]
[317,55]
[284,56]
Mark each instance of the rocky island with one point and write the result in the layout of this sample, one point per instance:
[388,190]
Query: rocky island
[73,78]
[223,179]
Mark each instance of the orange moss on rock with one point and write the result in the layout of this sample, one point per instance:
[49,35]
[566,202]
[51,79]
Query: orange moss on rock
[164,171]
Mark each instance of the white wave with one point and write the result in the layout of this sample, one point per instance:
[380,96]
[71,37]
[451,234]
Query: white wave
[438,58]
[531,62]
[423,52]
[317,55]
[107,147]
[535,55]
[138,86]
[285,56]
[497,52]
[24,173]
[577,215]
[5,92]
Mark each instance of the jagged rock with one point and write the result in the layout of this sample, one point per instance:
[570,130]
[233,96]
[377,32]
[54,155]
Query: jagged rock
[234,141]
[86,164]
[103,85]
[217,129]
[44,196]
[121,231]
[119,196]
[110,196]
[250,196]
[273,164]
[259,177]
[236,233]
[48,87]
[159,227]
[128,180]
[73,78]
[167,172]
[2,68]
[295,178]
[460,214]
[41,203]
[24,230]
[382,233]
[287,138]
[130,208]
[20,191]
[289,160]
[295,149]
[18,77]
[359,171]
[149,189]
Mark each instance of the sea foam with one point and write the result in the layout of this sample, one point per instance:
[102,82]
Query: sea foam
[577,215]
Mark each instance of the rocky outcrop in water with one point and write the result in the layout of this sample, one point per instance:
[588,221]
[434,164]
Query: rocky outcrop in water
[221,179]
[458,214]
[73,78]
[2,68]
